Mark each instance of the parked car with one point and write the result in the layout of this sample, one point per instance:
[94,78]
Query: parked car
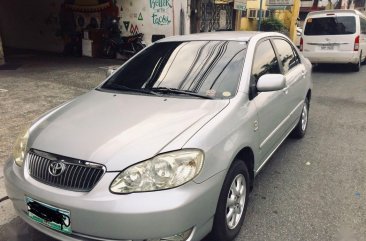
[335,36]
[168,146]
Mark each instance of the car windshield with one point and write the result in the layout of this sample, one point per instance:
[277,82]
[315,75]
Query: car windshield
[330,25]
[194,69]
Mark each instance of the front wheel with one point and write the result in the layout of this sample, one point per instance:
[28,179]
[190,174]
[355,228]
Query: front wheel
[300,129]
[232,203]
[109,51]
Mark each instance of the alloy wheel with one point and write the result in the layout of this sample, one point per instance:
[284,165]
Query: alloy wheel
[235,201]
[304,117]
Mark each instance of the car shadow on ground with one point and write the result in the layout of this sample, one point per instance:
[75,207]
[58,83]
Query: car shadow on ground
[18,230]
[333,68]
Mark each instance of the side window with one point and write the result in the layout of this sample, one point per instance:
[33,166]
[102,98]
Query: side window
[363,25]
[265,61]
[287,56]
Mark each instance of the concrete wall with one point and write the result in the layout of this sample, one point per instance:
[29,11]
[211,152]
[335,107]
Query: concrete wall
[160,17]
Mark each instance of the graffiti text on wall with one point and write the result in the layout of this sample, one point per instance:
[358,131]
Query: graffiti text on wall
[160,9]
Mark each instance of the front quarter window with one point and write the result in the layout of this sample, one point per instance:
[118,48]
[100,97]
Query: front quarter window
[202,68]
[265,61]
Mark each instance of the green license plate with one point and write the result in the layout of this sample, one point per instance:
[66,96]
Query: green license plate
[50,216]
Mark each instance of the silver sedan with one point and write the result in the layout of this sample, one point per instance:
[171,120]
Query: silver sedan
[167,147]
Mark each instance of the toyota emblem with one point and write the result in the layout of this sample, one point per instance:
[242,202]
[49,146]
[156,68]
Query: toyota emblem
[56,168]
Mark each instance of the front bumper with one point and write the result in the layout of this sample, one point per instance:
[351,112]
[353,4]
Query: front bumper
[330,57]
[101,215]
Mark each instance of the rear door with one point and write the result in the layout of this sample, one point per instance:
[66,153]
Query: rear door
[330,32]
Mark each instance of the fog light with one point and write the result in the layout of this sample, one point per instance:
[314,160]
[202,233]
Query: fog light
[178,237]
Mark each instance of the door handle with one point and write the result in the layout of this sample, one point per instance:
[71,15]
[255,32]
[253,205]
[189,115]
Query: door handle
[303,73]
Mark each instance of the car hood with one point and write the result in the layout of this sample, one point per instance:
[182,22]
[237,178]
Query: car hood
[118,130]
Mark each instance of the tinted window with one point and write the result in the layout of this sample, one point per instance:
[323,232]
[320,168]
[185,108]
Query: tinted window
[286,53]
[330,26]
[363,25]
[265,61]
[205,67]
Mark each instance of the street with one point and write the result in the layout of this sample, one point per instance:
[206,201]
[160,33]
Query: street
[311,189]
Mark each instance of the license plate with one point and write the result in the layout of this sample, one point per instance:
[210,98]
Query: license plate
[48,215]
[326,47]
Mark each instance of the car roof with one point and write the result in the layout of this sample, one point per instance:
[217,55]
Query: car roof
[324,12]
[221,35]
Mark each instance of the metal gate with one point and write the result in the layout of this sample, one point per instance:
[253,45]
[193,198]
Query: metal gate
[210,15]
[215,16]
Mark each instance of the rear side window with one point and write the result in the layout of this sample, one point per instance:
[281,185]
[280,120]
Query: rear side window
[287,56]
[363,25]
[331,25]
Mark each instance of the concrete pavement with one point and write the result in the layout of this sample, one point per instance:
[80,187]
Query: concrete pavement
[42,82]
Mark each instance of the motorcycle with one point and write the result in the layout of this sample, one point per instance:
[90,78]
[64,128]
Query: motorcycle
[115,43]
[127,46]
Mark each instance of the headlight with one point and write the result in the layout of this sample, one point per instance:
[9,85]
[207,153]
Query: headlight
[161,172]
[20,148]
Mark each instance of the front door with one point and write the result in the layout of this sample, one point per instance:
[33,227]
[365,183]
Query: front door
[295,73]
[271,106]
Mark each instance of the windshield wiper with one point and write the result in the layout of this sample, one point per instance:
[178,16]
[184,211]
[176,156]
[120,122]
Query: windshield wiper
[125,88]
[178,91]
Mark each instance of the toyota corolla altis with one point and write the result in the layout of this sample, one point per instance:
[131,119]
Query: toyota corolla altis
[167,147]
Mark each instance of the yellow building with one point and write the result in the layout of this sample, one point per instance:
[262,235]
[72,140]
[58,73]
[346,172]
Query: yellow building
[249,20]
[288,15]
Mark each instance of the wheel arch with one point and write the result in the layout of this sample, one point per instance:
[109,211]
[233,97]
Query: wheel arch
[308,95]
[246,155]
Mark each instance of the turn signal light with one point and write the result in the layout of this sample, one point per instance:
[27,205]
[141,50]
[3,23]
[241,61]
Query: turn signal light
[357,43]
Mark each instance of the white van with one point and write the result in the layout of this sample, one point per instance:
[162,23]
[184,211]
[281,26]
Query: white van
[335,36]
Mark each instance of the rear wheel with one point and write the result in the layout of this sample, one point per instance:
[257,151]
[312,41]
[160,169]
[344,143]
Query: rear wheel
[363,62]
[357,66]
[232,203]
[108,51]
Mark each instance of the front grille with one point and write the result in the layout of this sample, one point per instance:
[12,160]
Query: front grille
[77,175]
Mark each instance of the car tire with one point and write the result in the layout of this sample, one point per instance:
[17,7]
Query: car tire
[357,67]
[233,199]
[300,129]
[363,62]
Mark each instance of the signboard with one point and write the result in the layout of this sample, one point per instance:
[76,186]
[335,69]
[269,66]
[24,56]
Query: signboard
[240,4]
[280,2]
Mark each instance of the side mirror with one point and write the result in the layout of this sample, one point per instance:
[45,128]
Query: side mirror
[111,70]
[271,82]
